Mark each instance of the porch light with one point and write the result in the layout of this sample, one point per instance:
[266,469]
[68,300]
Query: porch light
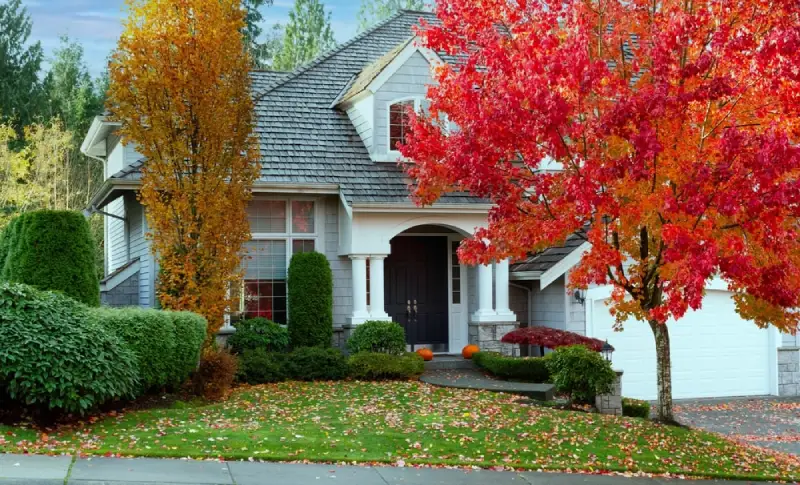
[606,351]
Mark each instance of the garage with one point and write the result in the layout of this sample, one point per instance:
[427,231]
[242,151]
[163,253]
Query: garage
[714,352]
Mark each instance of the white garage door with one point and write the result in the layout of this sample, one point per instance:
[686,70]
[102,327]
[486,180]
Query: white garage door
[714,352]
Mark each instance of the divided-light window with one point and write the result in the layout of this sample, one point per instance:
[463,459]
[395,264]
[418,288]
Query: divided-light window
[280,228]
[400,121]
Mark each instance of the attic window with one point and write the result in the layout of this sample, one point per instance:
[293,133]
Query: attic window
[399,121]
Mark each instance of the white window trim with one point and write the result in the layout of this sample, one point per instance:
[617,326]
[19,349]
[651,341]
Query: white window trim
[391,154]
[289,236]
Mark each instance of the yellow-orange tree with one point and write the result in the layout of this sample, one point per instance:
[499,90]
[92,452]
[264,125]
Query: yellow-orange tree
[181,88]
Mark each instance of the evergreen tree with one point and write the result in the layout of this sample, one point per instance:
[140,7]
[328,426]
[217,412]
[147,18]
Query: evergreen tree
[262,50]
[374,11]
[20,90]
[307,35]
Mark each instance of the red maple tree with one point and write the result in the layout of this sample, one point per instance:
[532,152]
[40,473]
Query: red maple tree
[672,126]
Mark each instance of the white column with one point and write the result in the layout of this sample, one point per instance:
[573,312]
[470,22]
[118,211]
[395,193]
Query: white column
[376,304]
[360,313]
[485,313]
[501,291]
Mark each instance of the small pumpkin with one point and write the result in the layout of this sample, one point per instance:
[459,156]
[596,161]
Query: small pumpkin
[426,354]
[469,350]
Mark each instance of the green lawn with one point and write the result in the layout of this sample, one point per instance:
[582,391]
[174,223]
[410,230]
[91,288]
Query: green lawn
[409,421]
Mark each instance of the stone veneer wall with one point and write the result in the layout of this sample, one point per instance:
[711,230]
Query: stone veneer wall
[611,403]
[789,371]
[487,336]
[124,294]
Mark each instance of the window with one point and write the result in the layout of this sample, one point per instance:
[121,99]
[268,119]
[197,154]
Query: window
[456,269]
[399,122]
[280,228]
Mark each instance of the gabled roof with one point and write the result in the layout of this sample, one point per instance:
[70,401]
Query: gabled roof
[306,140]
[369,73]
[549,264]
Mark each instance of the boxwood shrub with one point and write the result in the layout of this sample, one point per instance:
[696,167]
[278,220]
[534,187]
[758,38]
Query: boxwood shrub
[257,366]
[54,357]
[258,333]
[380,366]
[529,369]
[635,408]
[165,355]
[310,289]
[580,373]
[316,364]
[378,336]
[51,250]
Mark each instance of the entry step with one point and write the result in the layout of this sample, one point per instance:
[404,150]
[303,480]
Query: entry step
[444,362]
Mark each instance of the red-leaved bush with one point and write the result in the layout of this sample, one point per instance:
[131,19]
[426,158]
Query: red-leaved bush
[551,338]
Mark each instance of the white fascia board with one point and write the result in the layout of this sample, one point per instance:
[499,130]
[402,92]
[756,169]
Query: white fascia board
[447,209]
[525,275]
[401,59]
[276,188]
[92,145]
[564,265]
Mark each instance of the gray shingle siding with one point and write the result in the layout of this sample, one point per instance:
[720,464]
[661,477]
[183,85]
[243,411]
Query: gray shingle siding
[124,294]
[518,301]
[411,80]
[140,248]
[576,314]
[340,266]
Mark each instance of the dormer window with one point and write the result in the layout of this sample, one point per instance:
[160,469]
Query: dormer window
[400,121]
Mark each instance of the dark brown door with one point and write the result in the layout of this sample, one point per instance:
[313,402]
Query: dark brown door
[416,287]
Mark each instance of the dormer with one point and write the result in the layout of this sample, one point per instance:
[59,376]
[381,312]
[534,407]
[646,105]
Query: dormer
[377,99]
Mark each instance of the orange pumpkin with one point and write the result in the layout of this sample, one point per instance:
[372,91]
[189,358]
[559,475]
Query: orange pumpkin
[470,349]
[426,354]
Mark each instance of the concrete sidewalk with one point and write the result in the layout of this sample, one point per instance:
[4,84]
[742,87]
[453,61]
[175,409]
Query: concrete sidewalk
[45,470]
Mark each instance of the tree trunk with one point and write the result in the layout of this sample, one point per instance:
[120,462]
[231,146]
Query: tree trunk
[663,372]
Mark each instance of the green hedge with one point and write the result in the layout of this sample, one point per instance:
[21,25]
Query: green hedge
[258,333]
[316,364]
[530,369]
[635,408]
[381,366]
[378,336]
[190,334]
[166,355]
[53,356]
[51,250]
[310,288]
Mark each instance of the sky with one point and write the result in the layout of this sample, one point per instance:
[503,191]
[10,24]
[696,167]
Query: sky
[96,24]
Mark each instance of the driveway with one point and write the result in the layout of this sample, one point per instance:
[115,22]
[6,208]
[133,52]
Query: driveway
[762,421]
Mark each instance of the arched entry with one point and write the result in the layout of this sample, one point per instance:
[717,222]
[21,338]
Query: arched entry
[419,279]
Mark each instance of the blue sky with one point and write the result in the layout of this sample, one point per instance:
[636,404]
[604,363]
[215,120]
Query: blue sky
[96,24]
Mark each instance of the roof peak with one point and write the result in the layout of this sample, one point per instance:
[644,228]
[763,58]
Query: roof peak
[339,48]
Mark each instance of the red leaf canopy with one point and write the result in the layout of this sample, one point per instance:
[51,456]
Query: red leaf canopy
[551,338]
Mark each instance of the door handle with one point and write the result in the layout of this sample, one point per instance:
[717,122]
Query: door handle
[415,308]
[408,308]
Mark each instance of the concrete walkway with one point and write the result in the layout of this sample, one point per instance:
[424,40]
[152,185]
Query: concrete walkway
[44,470]
[478,380]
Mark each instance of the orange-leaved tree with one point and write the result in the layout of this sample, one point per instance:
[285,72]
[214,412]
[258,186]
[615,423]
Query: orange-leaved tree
[180,86]
[674,127]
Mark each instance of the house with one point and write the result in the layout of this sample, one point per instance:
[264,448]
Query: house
[330,183]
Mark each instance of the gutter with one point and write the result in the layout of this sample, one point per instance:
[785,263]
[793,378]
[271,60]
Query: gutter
[443,208]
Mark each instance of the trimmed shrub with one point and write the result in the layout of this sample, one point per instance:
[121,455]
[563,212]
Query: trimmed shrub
[51,250]
[310,288]
[258,333]
[580,373]
[316,364]
[190,335]
[257,366]
[529,369]
[376,336]
[215,374]
[154,338]
[635,408]
[380,366]
[54,356]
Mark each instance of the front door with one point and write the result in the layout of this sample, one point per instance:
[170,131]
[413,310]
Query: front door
[416,288]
